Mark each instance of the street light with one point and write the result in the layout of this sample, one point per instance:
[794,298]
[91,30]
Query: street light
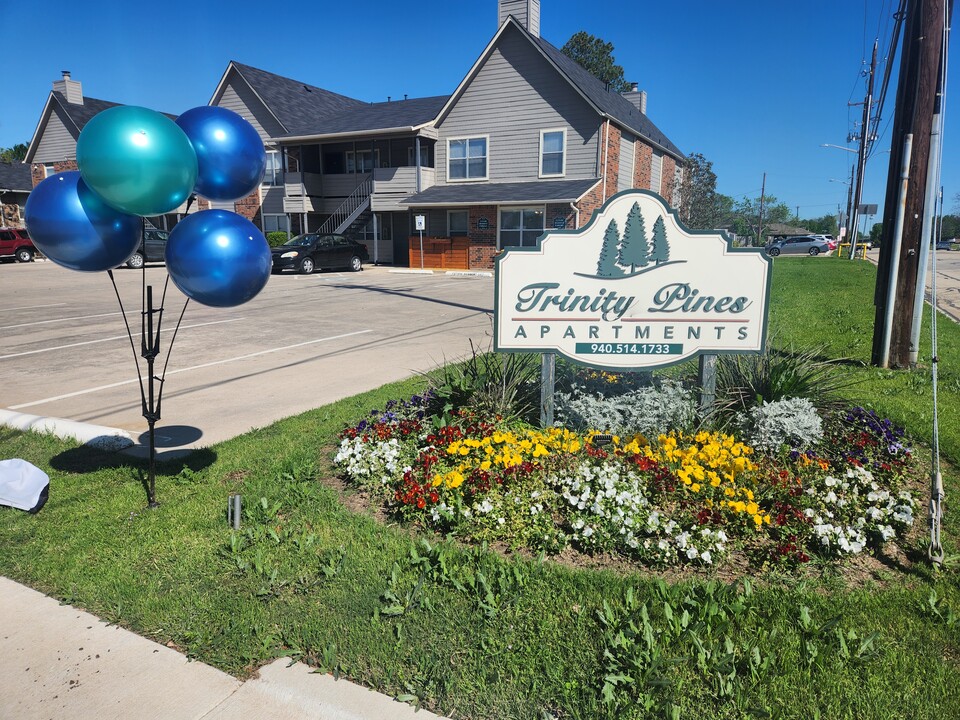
[838,147]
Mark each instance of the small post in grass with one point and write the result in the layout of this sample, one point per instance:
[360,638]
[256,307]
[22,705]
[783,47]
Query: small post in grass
[548,371]
[708,384]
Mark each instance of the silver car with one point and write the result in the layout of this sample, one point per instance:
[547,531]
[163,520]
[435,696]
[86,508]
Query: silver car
[799,245]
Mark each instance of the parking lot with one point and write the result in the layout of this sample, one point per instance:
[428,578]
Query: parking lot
[303,342]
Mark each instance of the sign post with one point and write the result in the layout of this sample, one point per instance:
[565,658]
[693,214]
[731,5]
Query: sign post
[421,224]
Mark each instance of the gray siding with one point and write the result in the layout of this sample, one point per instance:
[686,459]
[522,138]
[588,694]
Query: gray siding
[57,143]
[627,160]
[514,96]
[271,199]
[656,171]
[238,96]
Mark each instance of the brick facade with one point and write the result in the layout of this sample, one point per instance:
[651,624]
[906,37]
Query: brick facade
[669,179]
[38,175]
[643,162]
[483,241]
[249,207]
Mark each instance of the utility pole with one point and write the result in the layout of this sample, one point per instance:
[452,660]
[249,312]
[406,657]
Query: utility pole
[763,190]
[916,95]
[862,153]
[849,204]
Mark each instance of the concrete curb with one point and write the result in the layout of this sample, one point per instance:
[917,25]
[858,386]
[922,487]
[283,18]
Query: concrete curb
[98,436]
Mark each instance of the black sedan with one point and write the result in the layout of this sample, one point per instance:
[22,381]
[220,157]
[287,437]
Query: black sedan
[311,251]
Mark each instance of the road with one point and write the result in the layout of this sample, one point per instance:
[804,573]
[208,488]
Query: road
[948,280]
[303,342]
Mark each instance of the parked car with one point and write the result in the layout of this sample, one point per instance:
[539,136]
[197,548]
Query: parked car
[799,245]
[945,245]
[311,251]
[152,248]
[16,243]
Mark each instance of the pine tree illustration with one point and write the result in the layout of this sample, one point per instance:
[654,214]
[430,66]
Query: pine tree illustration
[607,264]
[661,248]
[634,250]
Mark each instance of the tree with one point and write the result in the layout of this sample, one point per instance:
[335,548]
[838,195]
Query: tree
[634,248]
[949,227]
[747,211]
[596,56]
[701,207]
[826,225]
[661,248]
[876,232]
[607,264]
[14,154]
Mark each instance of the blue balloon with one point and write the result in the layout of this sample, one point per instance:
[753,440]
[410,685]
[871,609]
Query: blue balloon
[137,160]
[218,258]
[230,155]
[74,227]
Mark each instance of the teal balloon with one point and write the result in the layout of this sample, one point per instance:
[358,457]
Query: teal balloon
[137,160]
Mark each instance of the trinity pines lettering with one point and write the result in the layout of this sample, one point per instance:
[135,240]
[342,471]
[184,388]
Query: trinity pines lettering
[672,298]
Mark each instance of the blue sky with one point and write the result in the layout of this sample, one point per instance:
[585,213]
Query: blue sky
[755,86]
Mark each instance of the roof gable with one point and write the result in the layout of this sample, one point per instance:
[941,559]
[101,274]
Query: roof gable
[604,102]
[296,105]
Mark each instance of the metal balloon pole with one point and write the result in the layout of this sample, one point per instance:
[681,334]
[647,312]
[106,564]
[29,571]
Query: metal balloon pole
[151,320]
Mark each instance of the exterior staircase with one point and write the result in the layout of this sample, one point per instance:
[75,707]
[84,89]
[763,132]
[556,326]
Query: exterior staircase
[350,214]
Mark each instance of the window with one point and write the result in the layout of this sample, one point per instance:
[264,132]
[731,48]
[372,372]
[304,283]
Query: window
[457,221]
[467,159]
[424,156]
[276,223]
[552,145]
[274,172]
[49,171]
[361,161]
[520,227]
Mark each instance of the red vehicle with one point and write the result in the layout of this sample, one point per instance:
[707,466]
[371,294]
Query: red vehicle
[16,242]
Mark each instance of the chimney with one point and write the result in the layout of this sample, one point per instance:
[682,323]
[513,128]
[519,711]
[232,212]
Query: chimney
[71,89]
[637,98]
[525,12]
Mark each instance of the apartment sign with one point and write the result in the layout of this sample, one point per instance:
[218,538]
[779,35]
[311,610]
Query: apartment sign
[633,289]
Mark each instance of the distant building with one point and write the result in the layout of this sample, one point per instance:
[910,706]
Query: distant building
[15,187]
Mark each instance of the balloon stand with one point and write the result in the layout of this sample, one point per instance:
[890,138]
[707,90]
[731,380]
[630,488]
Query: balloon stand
[151,392]
[150,402]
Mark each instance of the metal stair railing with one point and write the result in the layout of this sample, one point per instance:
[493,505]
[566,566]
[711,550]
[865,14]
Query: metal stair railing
[350,208]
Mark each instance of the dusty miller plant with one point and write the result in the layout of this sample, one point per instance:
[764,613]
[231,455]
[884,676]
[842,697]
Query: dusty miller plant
[792,422]
[649,411]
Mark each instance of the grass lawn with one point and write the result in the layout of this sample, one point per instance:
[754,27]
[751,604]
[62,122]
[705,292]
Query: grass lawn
[470,633]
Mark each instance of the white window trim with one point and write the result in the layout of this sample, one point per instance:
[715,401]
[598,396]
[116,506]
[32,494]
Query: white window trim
[278,154]
[515,208]
[563,162]
[450,212]
[486,177]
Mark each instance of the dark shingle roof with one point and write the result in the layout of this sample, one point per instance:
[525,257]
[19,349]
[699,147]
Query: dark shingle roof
[15,176]
[81,114]
[611,103]
[491,193]
[298,106]
[377,116]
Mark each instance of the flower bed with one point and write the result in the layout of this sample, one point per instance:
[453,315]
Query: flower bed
[679,498]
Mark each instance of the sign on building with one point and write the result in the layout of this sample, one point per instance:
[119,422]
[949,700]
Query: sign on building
[633,289]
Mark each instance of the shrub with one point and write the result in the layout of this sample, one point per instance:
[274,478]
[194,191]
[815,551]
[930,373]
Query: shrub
[650,411]
[277,238]
[792,421]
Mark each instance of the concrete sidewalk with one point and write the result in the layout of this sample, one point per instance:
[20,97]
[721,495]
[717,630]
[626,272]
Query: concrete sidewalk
[60,663]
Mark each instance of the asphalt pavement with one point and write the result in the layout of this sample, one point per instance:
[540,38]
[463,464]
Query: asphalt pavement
[304,342]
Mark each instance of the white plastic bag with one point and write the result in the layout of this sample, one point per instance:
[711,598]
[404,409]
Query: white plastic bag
[22,485]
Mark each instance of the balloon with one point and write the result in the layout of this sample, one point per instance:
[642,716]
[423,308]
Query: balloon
[218,258]
[73,227]
[230,155]
[137,160]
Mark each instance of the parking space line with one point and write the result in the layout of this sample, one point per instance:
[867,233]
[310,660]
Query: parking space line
[47,322]
[108,339]
[188,369]
[31,307]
